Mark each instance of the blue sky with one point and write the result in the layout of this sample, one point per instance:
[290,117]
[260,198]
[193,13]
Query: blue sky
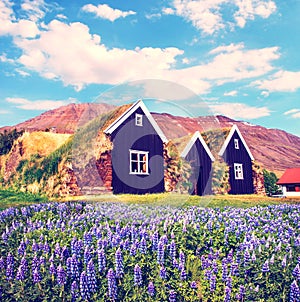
[239,58]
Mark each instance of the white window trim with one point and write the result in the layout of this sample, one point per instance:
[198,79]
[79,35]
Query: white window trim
[236,143]
[138,152]
[238,171]
[139,120]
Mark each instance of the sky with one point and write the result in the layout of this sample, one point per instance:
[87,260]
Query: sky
[238,58]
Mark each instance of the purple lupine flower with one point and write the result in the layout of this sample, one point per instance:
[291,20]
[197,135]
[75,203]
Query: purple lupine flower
[35,262]
[155,241]
[91,276]
[10,259]
[46,248]
[283,262]
[2,263]
[36,275]
[172,249]
[101,260]
[183,274]
[132,250]
[52,268]
[112,286]
[84,286]
[242,292]
[224,269]
[175,263]
[253,257]
[215,267]
[61,275]
[160,253]
[73,245]
[69,260]
[163,272]
[227,294]
[234,269]
[119,263]
[9,272]
[20,273]
[74,291]
[22,247]
[87,238]
[172,296]
[74,267]
[42,261]
[137,275]
[57,249]
[193,285]
[229,281]
[296,272]
[35,246]
[265,268]
[151,289]
[143,246]
[87,256]
[247,257]
[181,257]
[212,284]
[294,292]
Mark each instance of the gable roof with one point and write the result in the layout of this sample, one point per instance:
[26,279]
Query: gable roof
[228,138]
[290,176]
[138,104]
[192,141]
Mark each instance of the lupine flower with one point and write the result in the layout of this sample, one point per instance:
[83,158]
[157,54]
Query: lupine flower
[151,289]
[294,292]
[172,250]
[9,272]
[112,287]
[35,262]
[181,257]
[247,257]
[20,273]
[242,292]
[155,241]
[132,250]
[101,260]
[74,291]
[215,267]
[160,253]
[265,268]
[137,275]
[253,257]
[224,269]
[283,262]
[2,263]
[36,275]
[227,294]
[296,272]
[193,285]
[35,246]
[91,276]
[84,286]
[119,263]
[57,249]
[61,275]
[183,274]
[172,296]
[212,284]
[143,246]
[22,247]
[52,268]
[163,272]
[87,256]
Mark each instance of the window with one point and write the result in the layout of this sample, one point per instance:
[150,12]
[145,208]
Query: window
[236,143]
[238,171]
[138,162]
[138,119]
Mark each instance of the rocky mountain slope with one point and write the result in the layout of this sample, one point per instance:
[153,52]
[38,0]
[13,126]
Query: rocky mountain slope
[273,149]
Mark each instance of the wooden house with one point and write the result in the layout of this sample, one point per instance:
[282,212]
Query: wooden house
[238,157]
[200,158]
[290,182]
[137,155]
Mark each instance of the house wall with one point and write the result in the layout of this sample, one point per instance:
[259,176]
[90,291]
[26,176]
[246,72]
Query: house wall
[201,164]
[287,193]
[144,138]
[241,156]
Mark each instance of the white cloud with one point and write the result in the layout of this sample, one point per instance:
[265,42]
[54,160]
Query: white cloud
[153,16]
[5,59]
[11,26]
[22,72]
[231,93]
[4,111]
[26,104]
[265,93]
[206,15]
[35,9]
[294,113]
[288,81]
[168,11]
[106,12]
[239,110]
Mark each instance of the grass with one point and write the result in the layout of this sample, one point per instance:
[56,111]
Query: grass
[12,198]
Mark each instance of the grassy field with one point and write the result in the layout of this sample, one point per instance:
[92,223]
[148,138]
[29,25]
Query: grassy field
[9,198]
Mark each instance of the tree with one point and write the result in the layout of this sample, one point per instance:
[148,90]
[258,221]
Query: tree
[270,180]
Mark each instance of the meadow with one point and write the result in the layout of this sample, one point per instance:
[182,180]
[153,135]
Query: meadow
[150,248]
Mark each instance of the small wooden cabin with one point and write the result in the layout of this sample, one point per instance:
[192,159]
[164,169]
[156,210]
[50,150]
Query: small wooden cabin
[290,182]
[236,153]
[137,155]
[200,158]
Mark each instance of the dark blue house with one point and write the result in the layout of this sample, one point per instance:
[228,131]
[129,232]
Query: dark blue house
[238,157]
[137,155]
[198,155]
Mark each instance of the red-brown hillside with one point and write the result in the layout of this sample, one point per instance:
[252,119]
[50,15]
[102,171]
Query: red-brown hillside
[274,149]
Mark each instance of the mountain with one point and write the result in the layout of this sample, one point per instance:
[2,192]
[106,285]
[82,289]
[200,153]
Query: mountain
[64,119]
[273,149]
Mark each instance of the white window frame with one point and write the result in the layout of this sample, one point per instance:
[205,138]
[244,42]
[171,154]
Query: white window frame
[139,120]
[236,143]
[238,171]
[138,162]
